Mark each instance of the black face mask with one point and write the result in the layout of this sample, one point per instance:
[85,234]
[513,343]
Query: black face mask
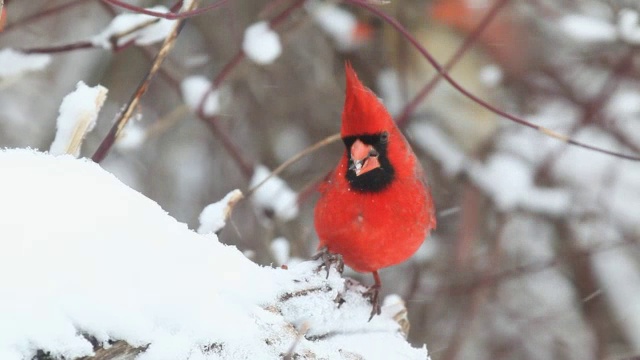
[374,180]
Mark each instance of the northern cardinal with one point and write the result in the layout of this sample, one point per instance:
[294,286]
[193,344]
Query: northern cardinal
[375,208]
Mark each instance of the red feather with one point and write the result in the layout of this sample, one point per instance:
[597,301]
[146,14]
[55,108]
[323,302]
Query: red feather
[374,229]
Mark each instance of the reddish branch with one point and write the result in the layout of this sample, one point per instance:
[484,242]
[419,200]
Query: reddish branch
[117,127]
[401,29]
[60,48]
[246,166]
[592,107]
[466,45]
[42,14]
[170,15]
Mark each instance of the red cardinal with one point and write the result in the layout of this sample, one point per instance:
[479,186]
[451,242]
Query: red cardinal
[375,209]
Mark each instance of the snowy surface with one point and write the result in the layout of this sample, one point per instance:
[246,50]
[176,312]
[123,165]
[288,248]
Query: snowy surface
[15,64]
[77,116]
[273,195]
[81,254]
[261,44]
[140,29]
[214,216]
[194,89]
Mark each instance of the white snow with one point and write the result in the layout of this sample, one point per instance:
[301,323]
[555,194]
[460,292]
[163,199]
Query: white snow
[194,89]
[509,182]
[15,63]
[140,28]
[616,271]
[261,44]
[629,26]
[491,75]
[132,136]
[78,113]
[274,195]
[214,216]
[281,249]
[588,29]
[618,277]
[624,103]
[81,253]
[340,24]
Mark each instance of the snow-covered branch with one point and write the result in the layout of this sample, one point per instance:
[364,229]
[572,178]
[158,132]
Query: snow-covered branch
[90,267]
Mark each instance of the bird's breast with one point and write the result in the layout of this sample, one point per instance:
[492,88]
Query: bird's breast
[373,230]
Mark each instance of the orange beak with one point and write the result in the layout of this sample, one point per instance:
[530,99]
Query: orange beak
[364,158]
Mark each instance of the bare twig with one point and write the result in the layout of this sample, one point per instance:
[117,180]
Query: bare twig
[42,14]
[466,45]
[60,48]
[301,333]
[115,131]
[320,144]
[170,15]
[245,165]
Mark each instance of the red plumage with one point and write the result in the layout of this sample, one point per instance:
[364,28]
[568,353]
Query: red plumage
[383,223]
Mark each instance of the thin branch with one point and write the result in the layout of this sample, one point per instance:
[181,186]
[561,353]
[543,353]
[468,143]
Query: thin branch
[60,48]
[548,132]
[320,144]
[245,165]
[122,121]
[466,45]
[42,14]
[170,15]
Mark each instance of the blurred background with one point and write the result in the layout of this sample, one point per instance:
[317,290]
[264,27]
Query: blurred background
[536,252]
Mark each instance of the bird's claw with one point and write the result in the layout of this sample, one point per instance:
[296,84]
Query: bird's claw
[329,259]
[373,293]
[339,299]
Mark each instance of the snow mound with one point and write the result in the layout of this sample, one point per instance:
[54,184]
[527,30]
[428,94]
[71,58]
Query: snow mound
[88,265]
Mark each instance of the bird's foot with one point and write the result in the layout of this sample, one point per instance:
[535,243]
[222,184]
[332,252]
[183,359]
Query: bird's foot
[373,293]
[339,299]
[329,259]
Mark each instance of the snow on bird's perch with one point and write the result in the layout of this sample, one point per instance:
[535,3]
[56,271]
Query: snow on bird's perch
[272,195]
[140,29]
[78,113]
[83,257]
[214,216]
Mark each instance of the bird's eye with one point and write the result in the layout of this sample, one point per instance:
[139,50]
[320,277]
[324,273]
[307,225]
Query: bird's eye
[384,137]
